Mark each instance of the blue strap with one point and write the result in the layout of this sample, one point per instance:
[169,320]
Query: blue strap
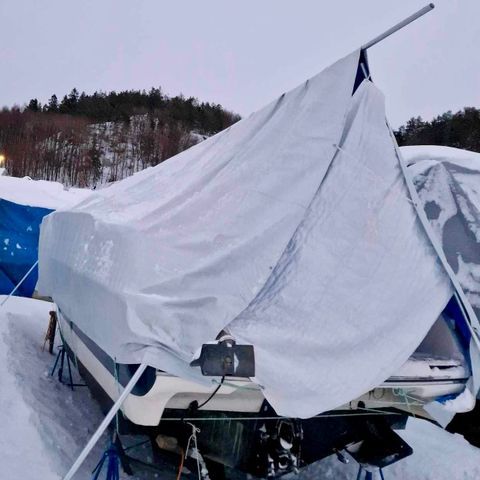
[368,475]
[113,465]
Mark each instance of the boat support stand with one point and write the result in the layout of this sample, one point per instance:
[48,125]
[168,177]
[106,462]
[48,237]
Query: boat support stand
[105,423]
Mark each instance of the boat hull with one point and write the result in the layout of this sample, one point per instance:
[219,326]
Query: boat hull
[238,428]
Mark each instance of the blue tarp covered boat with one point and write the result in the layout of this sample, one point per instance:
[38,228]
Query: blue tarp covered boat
[19,231]
[23,204]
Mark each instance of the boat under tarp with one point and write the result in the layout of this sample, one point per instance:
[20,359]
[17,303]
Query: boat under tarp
[23,204]
[293,229]
[448,182]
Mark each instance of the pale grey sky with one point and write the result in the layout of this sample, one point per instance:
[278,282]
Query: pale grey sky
[240,53]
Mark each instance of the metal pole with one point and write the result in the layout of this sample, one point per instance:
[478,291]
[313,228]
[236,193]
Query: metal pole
[19,283]
[398,26]
[106,422]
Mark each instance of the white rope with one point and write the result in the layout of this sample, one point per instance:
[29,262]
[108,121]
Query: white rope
[193,440]
[18,284]
[403,394]
[202,470]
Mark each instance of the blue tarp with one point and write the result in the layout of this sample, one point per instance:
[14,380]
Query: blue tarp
[19,231]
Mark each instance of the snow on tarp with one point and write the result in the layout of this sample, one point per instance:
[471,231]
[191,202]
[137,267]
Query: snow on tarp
[23,204]
[312,254]
[448,183]
[40,193]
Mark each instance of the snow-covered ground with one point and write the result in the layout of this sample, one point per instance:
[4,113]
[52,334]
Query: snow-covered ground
[438,455]
[44,425]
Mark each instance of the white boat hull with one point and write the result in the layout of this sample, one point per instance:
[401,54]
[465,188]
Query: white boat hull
[403,392]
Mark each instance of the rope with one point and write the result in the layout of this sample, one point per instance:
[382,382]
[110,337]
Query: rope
[180,468]
[401,393]
[136,445]
[192,440]
[372,410]
[239,387]
[115,373]
[18,284]
[367,412]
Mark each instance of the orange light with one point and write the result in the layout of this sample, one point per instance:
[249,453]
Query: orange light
[2,160]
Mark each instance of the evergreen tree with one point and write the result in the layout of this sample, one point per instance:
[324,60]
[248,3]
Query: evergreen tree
[53,104]
[34,105]
[69,103]
[460,130]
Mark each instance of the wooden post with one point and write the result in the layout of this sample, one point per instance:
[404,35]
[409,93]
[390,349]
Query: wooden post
[50,335]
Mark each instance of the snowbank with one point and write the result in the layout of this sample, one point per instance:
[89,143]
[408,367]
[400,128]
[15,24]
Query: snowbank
[40,193]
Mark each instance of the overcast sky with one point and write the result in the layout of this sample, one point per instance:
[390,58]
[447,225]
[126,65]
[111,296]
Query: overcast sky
[240,53]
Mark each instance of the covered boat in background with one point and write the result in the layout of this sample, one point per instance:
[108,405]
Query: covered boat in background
[448,182]
[294,232]
[23,204]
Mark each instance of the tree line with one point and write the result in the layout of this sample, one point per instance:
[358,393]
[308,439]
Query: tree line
[203,117]
[460,130]
[84,140]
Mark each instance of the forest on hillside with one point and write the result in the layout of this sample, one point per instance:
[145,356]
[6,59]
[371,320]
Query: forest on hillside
[89,140]
[460,130]
[86,140]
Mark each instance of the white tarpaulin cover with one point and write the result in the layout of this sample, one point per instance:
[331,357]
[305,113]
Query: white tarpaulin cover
[310,252]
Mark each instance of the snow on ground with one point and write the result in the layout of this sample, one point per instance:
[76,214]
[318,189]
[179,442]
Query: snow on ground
[23,450]
[438,455]
[44,425]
